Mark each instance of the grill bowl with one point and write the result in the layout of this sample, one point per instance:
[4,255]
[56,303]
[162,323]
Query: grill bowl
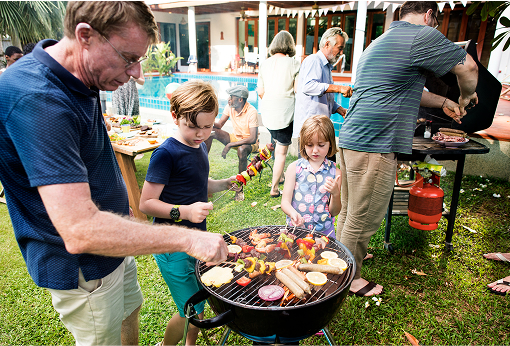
[244,312]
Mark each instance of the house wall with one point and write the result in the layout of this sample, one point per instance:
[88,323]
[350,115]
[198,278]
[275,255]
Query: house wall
[222,51]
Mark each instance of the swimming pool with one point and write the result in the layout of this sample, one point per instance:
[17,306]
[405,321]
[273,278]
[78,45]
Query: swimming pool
[152,93]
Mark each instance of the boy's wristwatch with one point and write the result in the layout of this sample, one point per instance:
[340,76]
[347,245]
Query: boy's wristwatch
[175,214]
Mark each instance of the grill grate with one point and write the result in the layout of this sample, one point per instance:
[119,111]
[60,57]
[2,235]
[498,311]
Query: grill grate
[248,296]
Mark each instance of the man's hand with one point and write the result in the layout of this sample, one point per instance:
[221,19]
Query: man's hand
[198,211]
[453,110]
[342,111]
[346,90]
[207,247]
[468,102]
[225,151]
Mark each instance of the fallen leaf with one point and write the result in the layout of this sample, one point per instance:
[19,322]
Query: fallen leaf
[274,207]
[412,339]
[253,204]
[417,272]
[469,229]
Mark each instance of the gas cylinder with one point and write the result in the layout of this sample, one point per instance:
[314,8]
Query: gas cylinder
[425,203]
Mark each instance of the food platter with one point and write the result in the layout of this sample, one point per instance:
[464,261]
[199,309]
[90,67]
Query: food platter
[451,144]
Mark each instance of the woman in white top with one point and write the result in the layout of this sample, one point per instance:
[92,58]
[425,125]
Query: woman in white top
[277,78]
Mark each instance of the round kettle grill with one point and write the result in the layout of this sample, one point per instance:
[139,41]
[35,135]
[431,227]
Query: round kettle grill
[242,310]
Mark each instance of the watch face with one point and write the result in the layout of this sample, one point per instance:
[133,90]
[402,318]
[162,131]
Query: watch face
[174,213]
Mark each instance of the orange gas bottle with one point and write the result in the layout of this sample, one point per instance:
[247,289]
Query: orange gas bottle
[425,203]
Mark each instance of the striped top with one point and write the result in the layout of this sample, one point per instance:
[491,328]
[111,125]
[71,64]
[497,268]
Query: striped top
[389,83]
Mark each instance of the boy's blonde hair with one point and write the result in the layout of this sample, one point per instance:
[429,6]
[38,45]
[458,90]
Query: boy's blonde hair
[323,127]
[109,17]
[193,97]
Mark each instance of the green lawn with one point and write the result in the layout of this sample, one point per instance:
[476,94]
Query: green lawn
[449,305]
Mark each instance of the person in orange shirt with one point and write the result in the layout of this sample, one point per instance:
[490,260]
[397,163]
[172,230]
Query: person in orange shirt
[244,119]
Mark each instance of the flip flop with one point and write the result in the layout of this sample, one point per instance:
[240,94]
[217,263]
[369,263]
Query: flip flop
[364,290]
[499,282]
[281,182]
[500,256]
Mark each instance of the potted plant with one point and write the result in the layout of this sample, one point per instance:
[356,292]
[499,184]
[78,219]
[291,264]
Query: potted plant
[161,59]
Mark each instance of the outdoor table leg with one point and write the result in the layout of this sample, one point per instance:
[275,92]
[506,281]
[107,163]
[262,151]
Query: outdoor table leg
[127,167]
[455,202]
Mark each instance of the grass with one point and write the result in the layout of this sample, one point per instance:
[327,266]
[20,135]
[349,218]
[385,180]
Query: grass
[449,305]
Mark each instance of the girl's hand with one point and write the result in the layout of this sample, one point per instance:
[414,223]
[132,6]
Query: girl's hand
[297,219]
[198,211]
[333,185]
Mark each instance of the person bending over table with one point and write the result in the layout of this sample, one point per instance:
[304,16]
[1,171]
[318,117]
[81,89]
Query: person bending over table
[65,193]
[382,115]
[244,118]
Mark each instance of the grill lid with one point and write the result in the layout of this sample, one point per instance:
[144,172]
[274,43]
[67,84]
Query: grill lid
[248,297]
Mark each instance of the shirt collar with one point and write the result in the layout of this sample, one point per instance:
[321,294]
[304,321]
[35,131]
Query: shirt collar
[325,165]
[324,60]
[64,75]
[245,108]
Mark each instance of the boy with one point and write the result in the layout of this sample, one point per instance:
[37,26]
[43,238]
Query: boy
[176,189]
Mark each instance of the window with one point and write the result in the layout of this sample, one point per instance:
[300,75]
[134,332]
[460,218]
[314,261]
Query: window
[316,26]
[183,44]
[277,24]
[169,35]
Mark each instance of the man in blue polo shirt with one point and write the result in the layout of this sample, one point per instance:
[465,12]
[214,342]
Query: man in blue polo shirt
[382,115]
[64,189]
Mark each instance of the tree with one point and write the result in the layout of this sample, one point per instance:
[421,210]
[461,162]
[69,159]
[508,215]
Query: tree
[495,10]
[31,21]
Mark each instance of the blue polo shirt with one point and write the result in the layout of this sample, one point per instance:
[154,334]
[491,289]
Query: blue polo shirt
[389,83]
[52,132]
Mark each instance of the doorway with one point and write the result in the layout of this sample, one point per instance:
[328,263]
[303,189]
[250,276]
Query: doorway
[203,46]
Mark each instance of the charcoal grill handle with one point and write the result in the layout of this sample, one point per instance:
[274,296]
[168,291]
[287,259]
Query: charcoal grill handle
[218,321]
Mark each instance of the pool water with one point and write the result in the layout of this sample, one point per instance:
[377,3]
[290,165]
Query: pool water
[152,93]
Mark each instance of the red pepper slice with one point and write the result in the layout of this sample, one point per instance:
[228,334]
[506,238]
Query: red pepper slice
[243,281]
[241,179]
[247,248]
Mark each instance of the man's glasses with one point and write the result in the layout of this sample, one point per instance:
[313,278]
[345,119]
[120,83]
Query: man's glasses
[128,63]
[435,18]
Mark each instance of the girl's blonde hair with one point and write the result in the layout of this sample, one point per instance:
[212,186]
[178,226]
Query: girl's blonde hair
[323,127]
[193,97]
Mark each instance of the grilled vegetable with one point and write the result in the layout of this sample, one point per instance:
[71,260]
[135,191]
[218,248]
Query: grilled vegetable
[243,281]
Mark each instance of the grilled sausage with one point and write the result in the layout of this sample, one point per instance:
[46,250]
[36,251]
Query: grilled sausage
[301,283]
[291,285]
[320,268]
[297,272]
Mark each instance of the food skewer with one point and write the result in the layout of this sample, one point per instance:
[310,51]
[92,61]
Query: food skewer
[222,194]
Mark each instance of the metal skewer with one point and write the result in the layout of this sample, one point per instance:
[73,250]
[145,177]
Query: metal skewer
[223,194]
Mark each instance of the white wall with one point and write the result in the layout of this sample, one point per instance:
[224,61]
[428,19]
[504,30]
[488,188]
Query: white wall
[221,50]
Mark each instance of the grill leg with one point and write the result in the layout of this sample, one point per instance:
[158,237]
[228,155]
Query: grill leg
[224,337]
[328,336]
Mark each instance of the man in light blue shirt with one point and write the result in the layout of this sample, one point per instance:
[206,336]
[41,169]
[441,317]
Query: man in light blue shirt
[315,86]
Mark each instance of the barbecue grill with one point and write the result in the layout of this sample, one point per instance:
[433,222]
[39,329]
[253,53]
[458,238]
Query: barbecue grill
[242,310]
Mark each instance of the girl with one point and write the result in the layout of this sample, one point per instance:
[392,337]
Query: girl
[311,195]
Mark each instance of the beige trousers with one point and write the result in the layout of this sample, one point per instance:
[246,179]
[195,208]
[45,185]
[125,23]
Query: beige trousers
[367,184]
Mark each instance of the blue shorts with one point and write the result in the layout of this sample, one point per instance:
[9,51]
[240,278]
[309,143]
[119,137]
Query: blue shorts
[178,271]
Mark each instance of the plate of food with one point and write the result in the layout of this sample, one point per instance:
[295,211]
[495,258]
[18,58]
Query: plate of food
[451,138]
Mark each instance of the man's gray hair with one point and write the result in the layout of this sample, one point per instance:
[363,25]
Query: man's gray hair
[330,35]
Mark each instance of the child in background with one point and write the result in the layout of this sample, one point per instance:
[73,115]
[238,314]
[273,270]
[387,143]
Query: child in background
[176,189]
[311,195]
